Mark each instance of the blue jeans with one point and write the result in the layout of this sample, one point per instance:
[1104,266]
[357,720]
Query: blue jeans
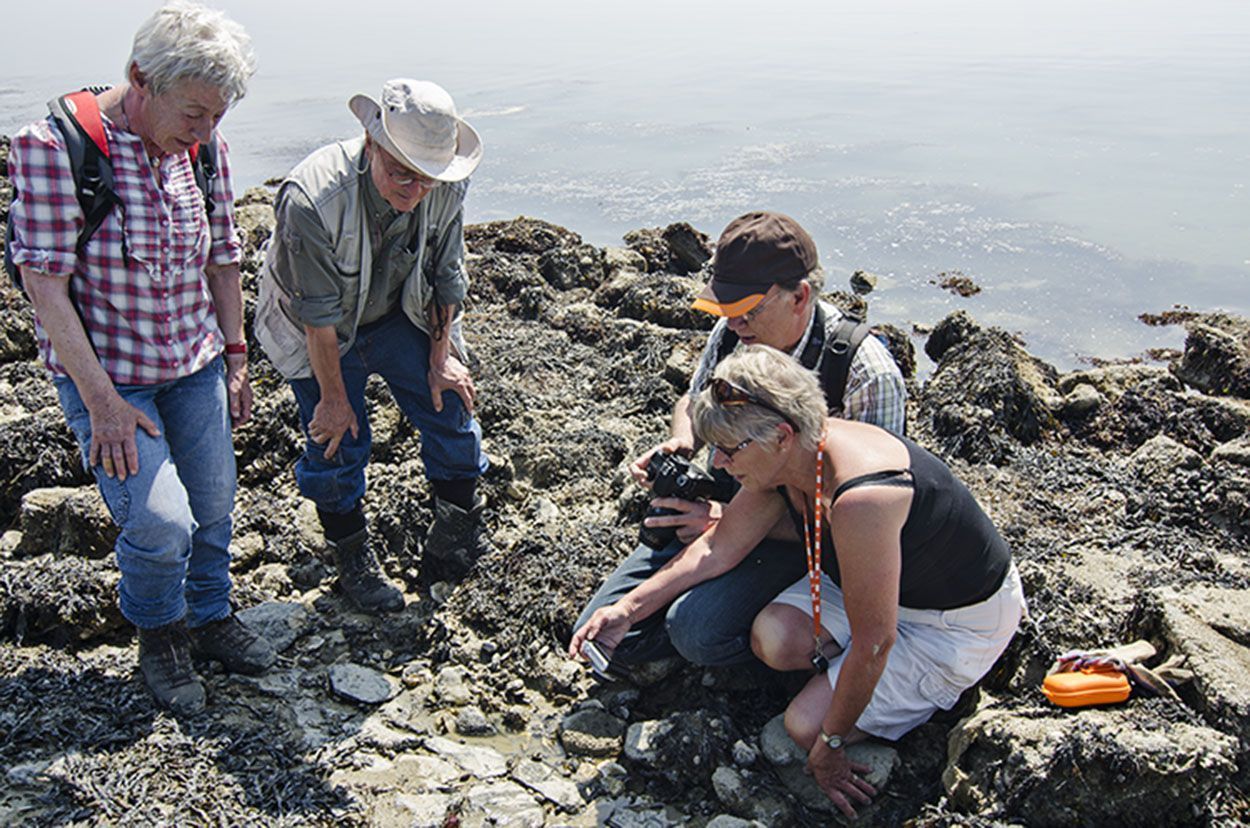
[174,515]
[711,624]
[399,352]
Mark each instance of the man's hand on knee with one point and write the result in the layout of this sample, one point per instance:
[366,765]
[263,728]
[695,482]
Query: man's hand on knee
[451,375]
[332,418]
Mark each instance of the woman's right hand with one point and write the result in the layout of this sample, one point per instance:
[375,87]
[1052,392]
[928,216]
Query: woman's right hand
[607,627]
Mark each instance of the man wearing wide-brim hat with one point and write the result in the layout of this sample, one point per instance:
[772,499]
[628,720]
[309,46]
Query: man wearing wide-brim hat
[365,275]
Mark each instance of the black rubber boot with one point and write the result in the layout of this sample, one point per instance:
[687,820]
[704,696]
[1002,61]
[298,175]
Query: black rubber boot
[239,649]
[455,540]
[361,577]
[165,661]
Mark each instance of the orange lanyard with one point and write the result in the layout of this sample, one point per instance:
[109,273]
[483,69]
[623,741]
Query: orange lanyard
[813,548]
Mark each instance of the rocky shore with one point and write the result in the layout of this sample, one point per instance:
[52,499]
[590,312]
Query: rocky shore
[1124,491]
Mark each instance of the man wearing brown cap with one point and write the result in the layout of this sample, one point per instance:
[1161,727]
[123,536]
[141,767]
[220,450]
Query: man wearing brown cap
[365,275]
[765,286]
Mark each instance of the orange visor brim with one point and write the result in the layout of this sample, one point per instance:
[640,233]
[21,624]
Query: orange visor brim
[729,309]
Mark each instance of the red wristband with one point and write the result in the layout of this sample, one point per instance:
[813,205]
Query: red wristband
[234,348]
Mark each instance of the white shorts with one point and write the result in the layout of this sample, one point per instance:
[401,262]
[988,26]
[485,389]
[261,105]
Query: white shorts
[937,654]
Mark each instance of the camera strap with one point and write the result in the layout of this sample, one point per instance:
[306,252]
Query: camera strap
[811,538]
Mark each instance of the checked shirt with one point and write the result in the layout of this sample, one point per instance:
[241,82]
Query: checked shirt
[875,390]
[146,305]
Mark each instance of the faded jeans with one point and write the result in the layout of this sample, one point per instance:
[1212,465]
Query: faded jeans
[174,514]
[710,625]
[399,352]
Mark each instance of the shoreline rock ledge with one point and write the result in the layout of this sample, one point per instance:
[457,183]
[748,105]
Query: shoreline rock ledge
[1124,491]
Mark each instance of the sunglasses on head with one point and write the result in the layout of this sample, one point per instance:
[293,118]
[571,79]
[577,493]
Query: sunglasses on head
[729,395]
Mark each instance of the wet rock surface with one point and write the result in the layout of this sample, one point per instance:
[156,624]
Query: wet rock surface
[1124,492]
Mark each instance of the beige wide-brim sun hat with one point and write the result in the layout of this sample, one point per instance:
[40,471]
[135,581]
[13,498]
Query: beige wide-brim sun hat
[416,122]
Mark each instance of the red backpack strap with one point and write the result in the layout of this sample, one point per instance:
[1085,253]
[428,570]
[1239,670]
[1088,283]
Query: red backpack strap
[84,109]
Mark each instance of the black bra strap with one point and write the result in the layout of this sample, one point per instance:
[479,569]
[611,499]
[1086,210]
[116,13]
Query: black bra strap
[885,477]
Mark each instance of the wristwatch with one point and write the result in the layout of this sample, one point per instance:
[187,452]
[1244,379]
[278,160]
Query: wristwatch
[834,741]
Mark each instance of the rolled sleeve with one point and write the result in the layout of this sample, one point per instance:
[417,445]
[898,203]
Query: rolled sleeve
[227,249]
[707,362]
[446,269]
[875,391]
[304,262]
[45,213]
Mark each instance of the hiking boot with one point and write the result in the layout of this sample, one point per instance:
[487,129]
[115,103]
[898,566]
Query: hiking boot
[230,641]
[361,577]
[165,660]
[455,540]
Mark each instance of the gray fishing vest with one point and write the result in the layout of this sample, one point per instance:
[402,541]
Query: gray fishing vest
[331,179]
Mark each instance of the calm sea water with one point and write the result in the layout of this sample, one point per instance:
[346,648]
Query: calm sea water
[1081,161]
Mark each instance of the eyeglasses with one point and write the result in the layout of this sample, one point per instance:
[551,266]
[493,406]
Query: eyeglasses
[729,395]
[401,175]
[730,452]
[751,315]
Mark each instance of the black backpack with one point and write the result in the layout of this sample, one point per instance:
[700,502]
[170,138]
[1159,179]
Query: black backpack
[839,350]
[77,116]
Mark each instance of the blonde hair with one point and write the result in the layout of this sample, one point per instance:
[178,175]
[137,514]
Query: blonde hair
[778,381]
[187,41]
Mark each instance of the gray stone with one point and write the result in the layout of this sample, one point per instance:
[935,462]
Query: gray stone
[545,781]
[66,522]
[1216,358]
[482,762]
[451,687]
[643,740]
[744,754]
[377,733]
[681,751]
[360,684]
[503,802]
[428,810]
[727,821]
[753,802]
[1156,460]
[1081,401]
[731,789]
[1210,627]
[1234,451]
[622,258]
[863,282]
[278,622]
[471,721]
[592,732]
[1114,381]
[1115,766]
[643,815]
[789,760]
[612,776]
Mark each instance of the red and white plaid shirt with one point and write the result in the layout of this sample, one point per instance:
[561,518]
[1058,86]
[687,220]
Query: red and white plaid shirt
[151,318]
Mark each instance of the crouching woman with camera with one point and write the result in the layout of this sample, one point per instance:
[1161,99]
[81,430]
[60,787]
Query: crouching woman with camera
[911,594]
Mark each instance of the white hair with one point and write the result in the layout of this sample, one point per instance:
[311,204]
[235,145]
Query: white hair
[779,381]
[187,41]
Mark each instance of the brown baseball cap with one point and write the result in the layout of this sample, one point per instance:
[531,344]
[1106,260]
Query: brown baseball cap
[756,251]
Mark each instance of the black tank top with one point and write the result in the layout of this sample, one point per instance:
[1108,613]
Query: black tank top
[952,554]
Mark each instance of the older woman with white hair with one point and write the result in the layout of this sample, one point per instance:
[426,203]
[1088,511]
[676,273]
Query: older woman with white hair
[124,236]
[911,593]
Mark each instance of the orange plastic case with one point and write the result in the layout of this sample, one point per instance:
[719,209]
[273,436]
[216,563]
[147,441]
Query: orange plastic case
[1090,685]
